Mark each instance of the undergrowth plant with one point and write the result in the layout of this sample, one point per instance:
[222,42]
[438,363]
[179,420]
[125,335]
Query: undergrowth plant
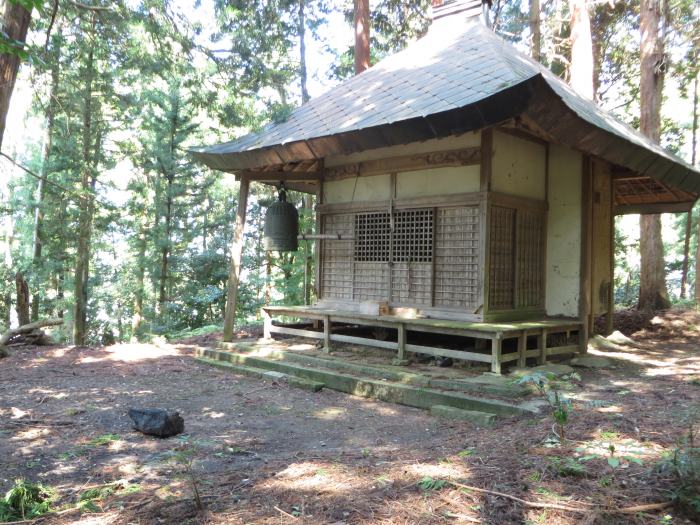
[560,406]
[427,483]
[25,501]
[684,464]
[184,456]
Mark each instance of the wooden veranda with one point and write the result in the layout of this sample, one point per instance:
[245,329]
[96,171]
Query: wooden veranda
[539,339]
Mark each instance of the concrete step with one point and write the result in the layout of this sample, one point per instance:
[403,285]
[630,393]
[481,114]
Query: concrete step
[260,373]
[484,384]
[383,390]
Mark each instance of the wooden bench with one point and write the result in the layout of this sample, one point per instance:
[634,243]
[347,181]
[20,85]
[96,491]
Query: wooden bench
[496,333]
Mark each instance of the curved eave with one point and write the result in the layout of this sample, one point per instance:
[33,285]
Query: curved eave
[564,124]
[488,111]
[558,114]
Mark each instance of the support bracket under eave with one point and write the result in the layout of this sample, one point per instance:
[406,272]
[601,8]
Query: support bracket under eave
[653,208]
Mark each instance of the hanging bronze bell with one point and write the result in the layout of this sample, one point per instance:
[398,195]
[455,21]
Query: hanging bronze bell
[281,225]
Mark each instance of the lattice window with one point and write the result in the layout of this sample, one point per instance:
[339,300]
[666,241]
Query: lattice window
[372,237]
[530,258]
[336,258]
[413,236]
[434,251]
[502,259]
[412,239]
[457,275]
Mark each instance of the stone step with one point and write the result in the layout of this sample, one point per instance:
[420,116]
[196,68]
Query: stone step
[259,373]
[383,390]
[484,384]
[482,419]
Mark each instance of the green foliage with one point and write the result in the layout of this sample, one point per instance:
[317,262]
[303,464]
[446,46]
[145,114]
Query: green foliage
[26,500]
[393,23]
[567,467]
[29,5]
[683,463]
[560,407]
[184,457]
[91,500]
[105,439]
[428,483]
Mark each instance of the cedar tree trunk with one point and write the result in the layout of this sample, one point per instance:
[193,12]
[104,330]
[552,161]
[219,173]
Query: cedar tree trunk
[302,53]
[22,306]
[17,20]
[581,71]
[535,31]
[361,24]
[85,217]
[51,110]
[652,281]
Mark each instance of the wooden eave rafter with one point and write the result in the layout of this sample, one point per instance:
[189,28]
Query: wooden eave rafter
[303,176]
[635,193]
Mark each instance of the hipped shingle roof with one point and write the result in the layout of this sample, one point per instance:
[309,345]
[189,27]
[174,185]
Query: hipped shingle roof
[459,77]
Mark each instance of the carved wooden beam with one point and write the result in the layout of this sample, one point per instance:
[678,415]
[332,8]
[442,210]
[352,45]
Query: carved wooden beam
[276,176]
[418,161]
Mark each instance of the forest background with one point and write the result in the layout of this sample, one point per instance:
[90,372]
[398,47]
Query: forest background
[106,221]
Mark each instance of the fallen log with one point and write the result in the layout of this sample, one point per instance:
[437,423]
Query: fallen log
[28,329]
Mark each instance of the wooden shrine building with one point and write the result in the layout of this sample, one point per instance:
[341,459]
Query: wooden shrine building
[462,189]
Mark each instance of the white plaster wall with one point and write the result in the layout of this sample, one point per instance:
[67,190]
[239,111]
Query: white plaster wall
[466,140]
[438,181]
[564,232]
[518,166]
[358,189]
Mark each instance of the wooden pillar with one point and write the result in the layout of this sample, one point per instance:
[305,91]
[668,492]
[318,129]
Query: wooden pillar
[610,315]
[327,334]
[402,341]
[236,253]
[496,347]
[522,349]
[585,292]
[542,340]
[267,324]
[583,339]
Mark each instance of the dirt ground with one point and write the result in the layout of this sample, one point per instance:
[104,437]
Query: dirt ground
[262,452]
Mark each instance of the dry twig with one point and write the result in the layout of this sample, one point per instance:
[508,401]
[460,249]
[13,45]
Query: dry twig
[588,506]
[286,513]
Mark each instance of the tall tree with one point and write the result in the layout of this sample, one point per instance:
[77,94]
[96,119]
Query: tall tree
[652,286]
[695,163]
[535,30]
[16,16]
[581,71]
[53,59]
[361,26]
[88,180]
[303,73]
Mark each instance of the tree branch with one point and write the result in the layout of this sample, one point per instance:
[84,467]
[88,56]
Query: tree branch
[80,5]
[53,19]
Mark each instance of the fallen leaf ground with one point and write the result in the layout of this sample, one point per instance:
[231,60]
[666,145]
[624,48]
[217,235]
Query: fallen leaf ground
[262,452]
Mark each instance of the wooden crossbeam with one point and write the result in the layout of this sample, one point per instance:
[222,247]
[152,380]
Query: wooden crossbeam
[418,161]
